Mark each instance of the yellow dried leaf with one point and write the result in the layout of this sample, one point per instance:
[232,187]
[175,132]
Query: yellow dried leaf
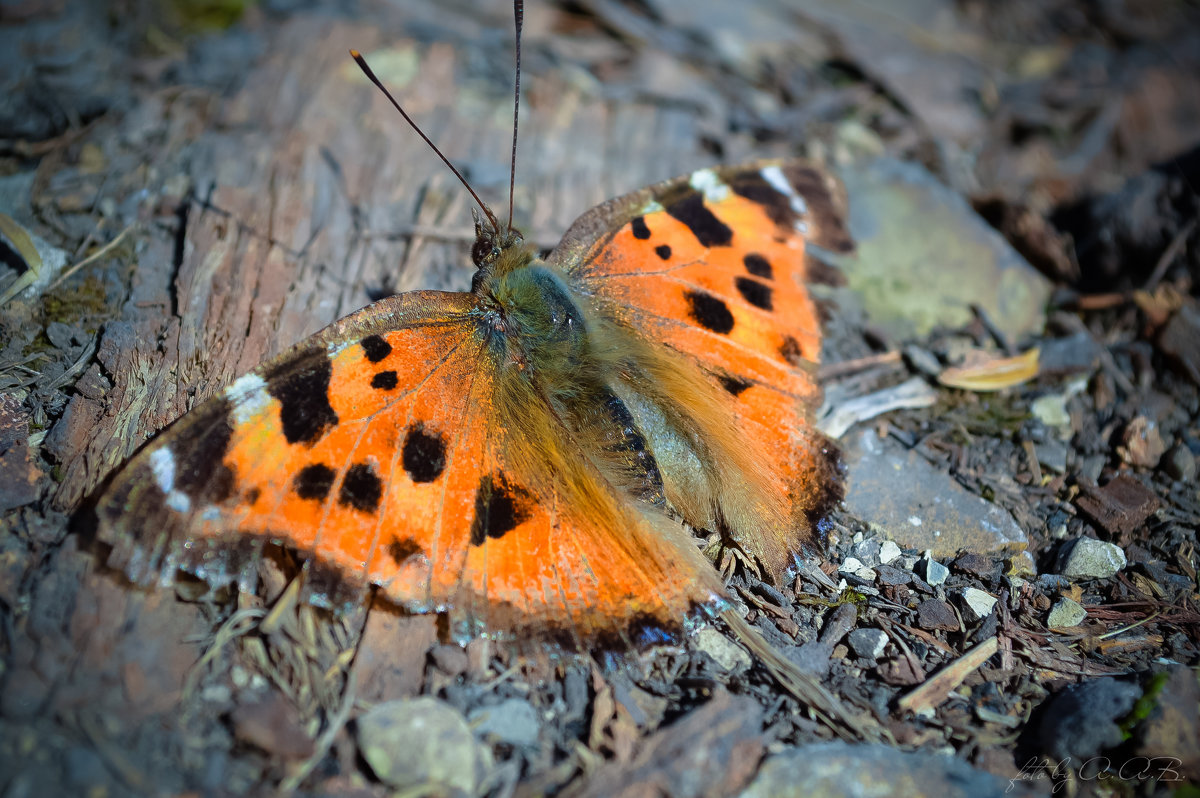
[991,373]
[21,242]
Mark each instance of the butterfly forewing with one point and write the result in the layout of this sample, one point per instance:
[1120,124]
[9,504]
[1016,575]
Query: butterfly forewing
[401,448]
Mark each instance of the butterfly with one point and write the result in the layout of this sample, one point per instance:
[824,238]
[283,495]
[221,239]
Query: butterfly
[529,457]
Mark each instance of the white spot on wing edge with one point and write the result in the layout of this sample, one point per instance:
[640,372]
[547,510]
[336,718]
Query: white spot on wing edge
[178,502]
[162,465]
[774,175]
[651,206]
[248,397]
[707,182]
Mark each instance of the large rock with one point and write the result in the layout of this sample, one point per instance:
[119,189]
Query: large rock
[840,770]
[909,501]
[924,257]
[420,742]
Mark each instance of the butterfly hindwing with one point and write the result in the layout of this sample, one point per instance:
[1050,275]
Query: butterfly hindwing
[716,266]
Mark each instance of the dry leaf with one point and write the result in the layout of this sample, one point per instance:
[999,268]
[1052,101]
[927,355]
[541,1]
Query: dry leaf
[987,372]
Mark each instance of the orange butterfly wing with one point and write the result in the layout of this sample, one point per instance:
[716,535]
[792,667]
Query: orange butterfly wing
[715,265]
[400,448]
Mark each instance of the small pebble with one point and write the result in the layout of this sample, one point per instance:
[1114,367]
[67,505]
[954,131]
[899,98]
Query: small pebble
[850,565]
[512,721]
[1088,558]
[893,576]
[922,360]
[450,659]
[727,654]
[1091,467]
[867,643]
[1052,455]
[934,614]
[1051,410]
[888,552]
[1065,613]
[420,742]
[1179,463]
[856,573]
[932,571]
[977,604]
[867,551]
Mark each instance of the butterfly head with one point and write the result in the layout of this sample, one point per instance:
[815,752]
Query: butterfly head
[491,240]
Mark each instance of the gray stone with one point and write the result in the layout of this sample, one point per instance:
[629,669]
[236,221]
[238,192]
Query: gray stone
[85,769]
[867,643]
[900,279]
[726,653]
[932,571]
[856,572]
[850,565]
[1179,463]
[838,769]
[976,604]
[1065,613]
[1081,721]
[893,576]
[900,494]
[420,742]
[922,360]
[867,551]
[1088,558]
[1090,467]
[1052,454]
[1071,355]
[888,552]
[512,721]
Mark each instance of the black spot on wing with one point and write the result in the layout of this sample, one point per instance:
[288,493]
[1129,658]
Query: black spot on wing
[384,381]
[423,454]
[314,481]
[696,216]
[754,292]
[199,454]
[734,385]
[302,388]
[500,507]
[401,550]
[376,348]
[710,312]
[758,265]
[663,251]
[640,230]
[361,488]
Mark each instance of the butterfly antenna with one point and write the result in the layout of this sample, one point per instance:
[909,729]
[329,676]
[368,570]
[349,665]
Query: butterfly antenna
[519,14]
[362,64]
